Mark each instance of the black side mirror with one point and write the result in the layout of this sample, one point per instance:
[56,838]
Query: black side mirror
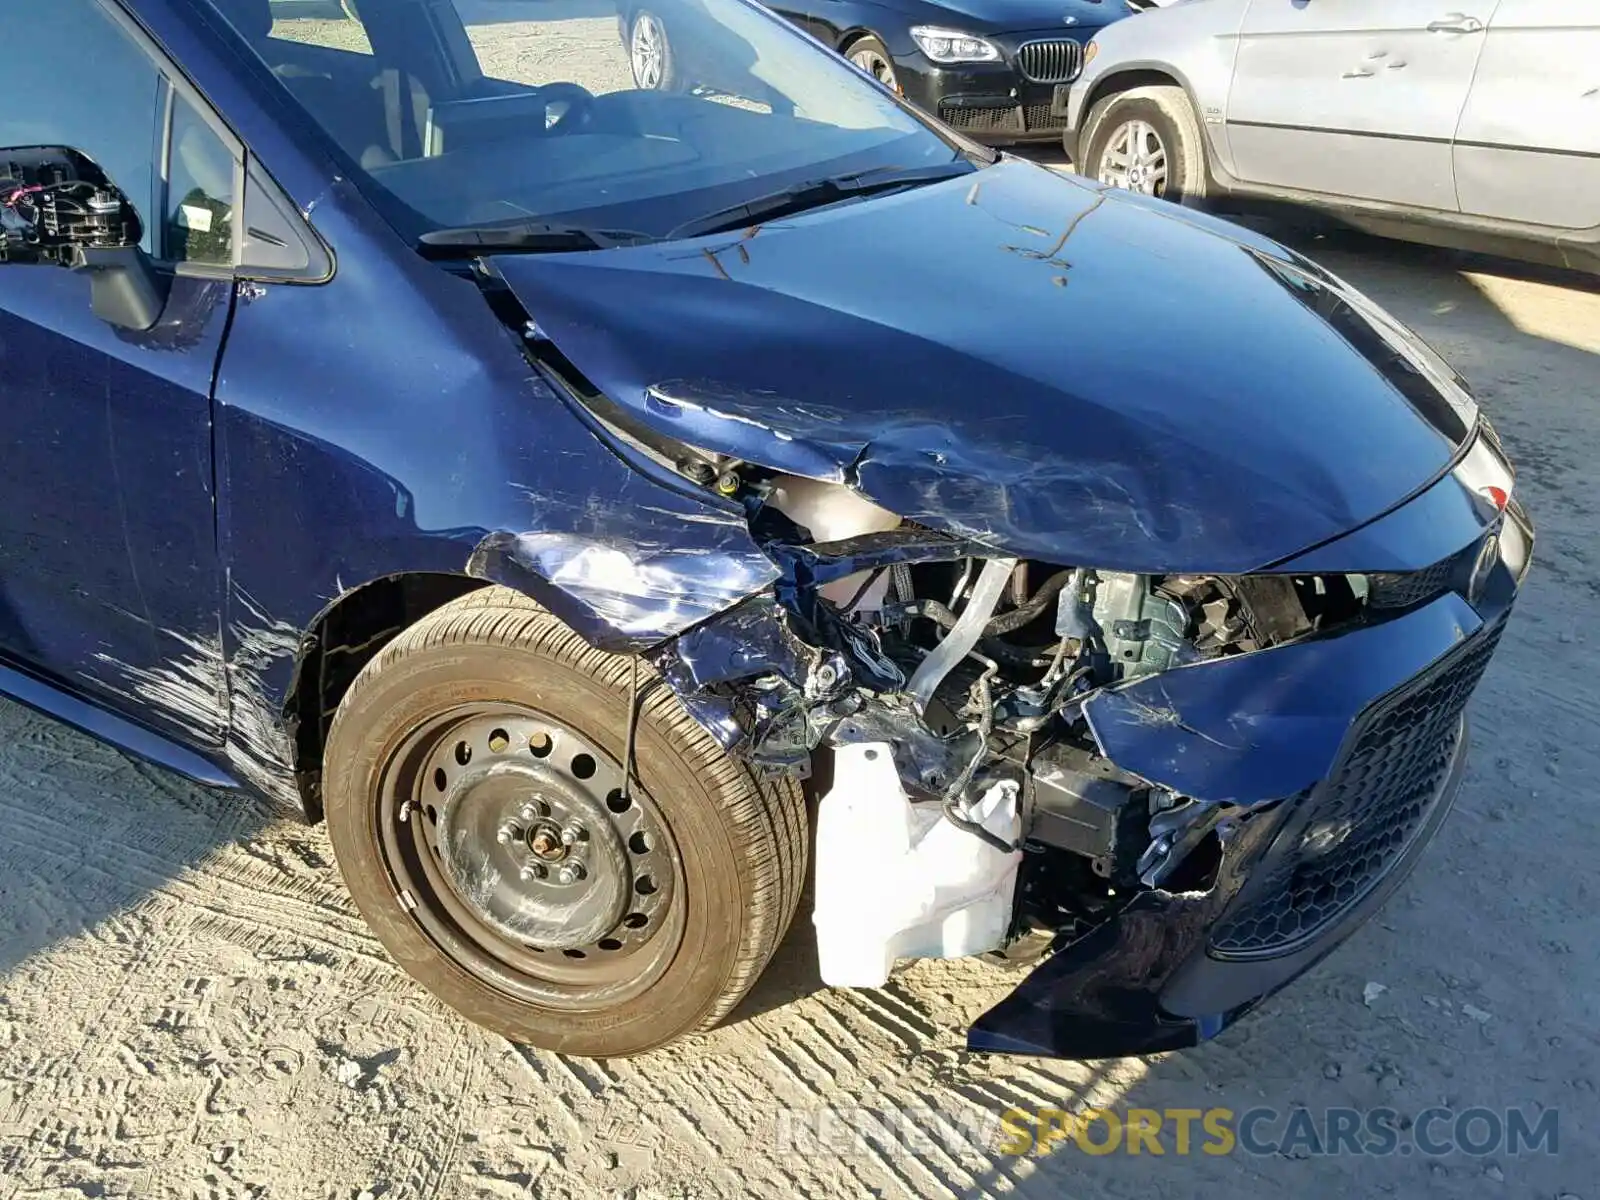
[57,208]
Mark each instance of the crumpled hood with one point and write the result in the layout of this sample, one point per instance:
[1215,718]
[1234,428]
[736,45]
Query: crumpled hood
[1059,371]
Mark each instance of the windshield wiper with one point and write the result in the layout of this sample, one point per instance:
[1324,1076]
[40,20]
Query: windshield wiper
[532,237]
[815,193]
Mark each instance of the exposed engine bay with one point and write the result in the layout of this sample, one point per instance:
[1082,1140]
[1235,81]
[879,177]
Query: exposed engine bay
[971,670]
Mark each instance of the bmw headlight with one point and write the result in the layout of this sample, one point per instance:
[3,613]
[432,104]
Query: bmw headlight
[953,46]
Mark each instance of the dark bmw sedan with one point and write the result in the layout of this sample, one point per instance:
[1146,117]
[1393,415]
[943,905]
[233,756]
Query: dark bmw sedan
[615,509]
[999,71]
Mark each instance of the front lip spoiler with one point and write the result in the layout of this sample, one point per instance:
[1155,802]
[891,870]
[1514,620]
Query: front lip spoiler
[1144,982]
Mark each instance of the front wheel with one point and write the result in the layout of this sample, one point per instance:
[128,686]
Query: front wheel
[872,56]
[482,818]
[1146,140]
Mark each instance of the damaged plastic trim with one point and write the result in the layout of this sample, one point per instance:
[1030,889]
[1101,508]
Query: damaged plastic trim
[622,594]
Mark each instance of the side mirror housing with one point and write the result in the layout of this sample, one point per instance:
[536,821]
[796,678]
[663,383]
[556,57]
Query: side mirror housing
[57,207]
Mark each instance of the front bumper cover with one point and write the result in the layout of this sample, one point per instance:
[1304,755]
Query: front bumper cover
[1338,760]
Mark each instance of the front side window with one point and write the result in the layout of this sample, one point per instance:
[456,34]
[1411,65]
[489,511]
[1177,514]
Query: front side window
[69,76]
[636,115]
[146,135]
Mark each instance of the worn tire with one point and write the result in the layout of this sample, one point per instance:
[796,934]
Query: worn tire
[1168,111]
[742,840]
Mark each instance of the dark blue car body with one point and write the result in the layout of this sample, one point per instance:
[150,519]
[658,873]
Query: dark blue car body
[207,527]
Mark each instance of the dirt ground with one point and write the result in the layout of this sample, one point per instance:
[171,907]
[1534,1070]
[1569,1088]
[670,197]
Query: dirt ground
[189,1005]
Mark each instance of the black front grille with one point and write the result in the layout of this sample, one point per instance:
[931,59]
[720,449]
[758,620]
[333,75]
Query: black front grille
[1366,813]
[1042,116]
[1057,60]
[982,120]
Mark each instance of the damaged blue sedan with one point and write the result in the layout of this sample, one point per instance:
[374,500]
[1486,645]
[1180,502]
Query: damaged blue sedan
[614,510]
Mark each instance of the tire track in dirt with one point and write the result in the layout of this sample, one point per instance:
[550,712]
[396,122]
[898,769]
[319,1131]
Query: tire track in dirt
[53,1110]
[224,885]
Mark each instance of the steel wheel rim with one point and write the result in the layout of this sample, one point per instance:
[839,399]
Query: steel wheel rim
[874,64]
[517,757]
[648,51]
[1135,159]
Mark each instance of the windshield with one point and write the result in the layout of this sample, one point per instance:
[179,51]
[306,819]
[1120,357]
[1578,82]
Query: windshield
[637,115]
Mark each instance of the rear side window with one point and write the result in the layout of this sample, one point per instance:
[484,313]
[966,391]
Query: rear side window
[69,76]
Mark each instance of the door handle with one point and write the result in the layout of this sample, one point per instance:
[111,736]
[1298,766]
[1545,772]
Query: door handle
[1358,73]
[1456,23]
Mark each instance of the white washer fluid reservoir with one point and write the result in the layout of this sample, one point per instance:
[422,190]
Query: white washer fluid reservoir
[896,880]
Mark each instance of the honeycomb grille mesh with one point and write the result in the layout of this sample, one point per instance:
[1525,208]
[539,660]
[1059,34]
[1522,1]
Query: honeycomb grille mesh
[982,120]
[1366,813]
[1402,591]
[1041,116]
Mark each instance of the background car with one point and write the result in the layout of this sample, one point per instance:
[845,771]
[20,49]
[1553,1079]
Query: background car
[1472,123]
[998,72]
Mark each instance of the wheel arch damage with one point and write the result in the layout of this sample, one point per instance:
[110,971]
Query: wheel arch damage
[339,642]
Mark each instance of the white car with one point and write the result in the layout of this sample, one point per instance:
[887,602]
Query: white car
[1472,123]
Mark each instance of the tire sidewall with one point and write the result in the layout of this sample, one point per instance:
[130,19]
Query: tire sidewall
[713,885]
[1185,156]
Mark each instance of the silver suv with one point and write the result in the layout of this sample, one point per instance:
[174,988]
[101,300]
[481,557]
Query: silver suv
[1471,123]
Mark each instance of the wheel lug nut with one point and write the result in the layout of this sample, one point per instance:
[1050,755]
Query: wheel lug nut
[573,834]
[571,873]
[508,834]
[532,871]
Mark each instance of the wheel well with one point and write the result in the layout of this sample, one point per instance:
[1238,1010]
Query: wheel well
[344,638]
[1126,81]
[854,36]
